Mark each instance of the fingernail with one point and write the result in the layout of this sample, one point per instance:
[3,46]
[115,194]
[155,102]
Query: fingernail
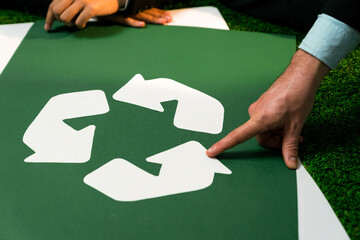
[140,24]
[211,150]
[168,18]
[46,27]
[293,160]
[162,20]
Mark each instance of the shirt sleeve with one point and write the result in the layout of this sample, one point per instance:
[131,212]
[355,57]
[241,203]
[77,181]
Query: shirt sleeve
[125,6]
[135,6]
[330,40]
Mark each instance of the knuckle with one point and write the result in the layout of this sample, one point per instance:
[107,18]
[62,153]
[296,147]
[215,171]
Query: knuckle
[56,11]
[270,118]
[265,116]
[291,146]
[91,10]
[51,6]
[295,126]
[251,108]
[82,2]
[140,14]
[266,120]
[64,19]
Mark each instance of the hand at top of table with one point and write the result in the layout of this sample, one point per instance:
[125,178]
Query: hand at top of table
[79,12]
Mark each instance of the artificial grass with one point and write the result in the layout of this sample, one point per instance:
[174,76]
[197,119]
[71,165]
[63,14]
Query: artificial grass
[331,147]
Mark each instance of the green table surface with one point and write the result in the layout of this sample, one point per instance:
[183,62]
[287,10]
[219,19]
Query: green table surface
[50,201]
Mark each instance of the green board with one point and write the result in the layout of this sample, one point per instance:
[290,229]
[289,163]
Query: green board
[51,201]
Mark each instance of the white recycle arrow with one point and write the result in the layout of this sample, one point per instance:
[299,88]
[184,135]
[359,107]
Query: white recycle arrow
[196,111]
[54,141]
[184,168]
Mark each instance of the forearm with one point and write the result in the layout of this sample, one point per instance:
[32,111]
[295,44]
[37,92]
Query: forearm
[308,69]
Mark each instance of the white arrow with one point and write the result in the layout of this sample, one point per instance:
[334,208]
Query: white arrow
[54,141]
[184,168]
[196,111]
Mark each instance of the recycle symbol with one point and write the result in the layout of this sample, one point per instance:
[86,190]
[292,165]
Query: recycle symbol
[53,141]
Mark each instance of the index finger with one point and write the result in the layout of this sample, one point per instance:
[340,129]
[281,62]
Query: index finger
[49,20]
[237,136]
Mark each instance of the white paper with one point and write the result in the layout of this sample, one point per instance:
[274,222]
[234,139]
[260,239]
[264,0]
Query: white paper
[317,219]
[11,36]
[195,111]
[205,17]
[185,168]
[52,140]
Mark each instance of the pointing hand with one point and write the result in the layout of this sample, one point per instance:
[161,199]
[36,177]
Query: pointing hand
[277,117]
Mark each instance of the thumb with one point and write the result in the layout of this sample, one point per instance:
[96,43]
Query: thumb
[290,145]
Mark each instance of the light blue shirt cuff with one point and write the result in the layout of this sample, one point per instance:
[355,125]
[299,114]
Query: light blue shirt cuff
[330,40]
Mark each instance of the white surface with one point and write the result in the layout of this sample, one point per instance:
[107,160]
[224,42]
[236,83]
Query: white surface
[185,168]
[195,111]
[54,141]
[205,17]
[312,205]
[317,220]
[11,36]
